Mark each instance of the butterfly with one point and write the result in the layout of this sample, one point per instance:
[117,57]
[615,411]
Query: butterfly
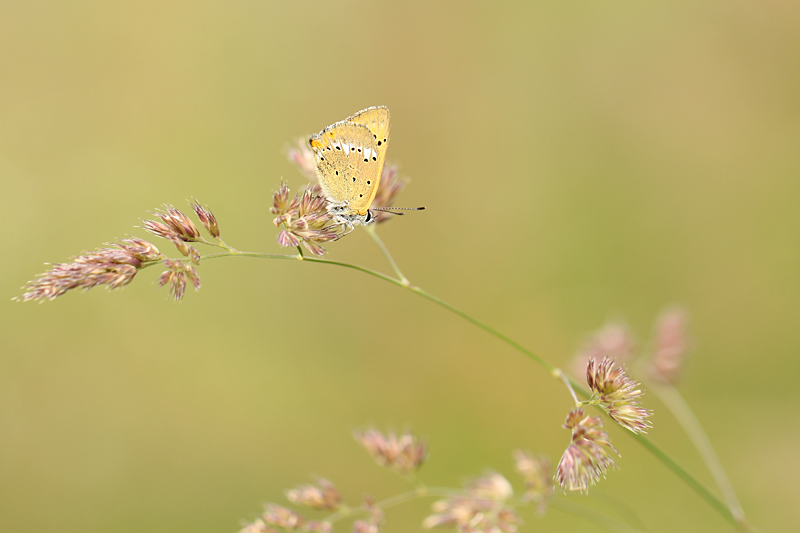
[350,156]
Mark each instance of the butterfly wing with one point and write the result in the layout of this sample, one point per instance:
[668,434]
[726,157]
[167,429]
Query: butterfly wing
[377,120]
[348,165]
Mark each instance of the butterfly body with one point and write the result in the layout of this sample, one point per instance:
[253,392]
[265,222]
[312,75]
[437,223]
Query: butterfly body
[350,156]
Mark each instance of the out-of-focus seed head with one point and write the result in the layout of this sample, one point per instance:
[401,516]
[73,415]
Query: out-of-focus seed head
[318,526]
[374,513]
[613,340]
[670,346]
[535,472]
[482,508]
[323,495]
[305,219]
[616,393]
[113,267]
[403,453]
[173,225]
[492,486]
[176,275]
[373,520]
[362,526]
[257,526]
[276,515]
[303,157]
[586,458]
[388,188]
[207,218]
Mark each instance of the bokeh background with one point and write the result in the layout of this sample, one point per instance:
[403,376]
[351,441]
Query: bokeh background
[580,162]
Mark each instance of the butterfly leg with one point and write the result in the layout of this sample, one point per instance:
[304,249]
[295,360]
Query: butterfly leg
[344,222]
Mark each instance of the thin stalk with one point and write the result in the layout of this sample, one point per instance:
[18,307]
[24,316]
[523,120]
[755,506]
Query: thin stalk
[374,234]
[715,502]
[591,515]
[419,492]
[233,253]
[627,513]
[673,400]
[568,385]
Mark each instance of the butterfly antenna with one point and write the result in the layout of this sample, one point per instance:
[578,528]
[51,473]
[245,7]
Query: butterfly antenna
[391,210]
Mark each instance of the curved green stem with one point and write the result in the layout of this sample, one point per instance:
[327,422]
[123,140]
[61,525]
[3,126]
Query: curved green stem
[715,502]
[469,318]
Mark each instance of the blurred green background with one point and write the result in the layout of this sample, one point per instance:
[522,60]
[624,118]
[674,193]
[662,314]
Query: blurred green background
[580,162]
